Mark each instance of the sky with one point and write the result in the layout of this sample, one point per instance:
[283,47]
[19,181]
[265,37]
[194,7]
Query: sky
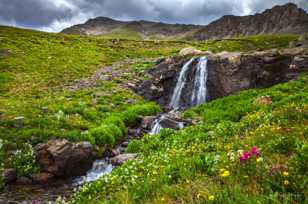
[55,15]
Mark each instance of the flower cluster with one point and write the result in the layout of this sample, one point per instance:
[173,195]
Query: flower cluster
[248,154]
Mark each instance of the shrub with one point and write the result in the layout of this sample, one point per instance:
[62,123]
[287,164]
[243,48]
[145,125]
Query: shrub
[23,161]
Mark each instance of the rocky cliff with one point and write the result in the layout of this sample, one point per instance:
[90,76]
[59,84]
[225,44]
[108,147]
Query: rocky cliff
[286,19]
[227,73]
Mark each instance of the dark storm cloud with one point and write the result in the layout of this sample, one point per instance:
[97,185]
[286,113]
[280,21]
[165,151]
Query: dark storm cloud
[34,13]
[54,15]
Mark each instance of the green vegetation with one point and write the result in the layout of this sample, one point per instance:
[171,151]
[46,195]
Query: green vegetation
[249,153]
[123,33]
[47,91]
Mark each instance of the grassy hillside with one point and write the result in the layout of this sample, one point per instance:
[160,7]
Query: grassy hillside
[243,151]
[46,89]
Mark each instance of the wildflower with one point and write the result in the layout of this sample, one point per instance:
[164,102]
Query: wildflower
[245,156]
[211,197]
[255,151]
[286,182]
[259,159]
[285,174]
[225,173]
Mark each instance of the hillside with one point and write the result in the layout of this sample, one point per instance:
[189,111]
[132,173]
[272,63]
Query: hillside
[83,89]
[286,19]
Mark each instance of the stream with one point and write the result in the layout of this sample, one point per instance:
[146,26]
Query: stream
[36,194]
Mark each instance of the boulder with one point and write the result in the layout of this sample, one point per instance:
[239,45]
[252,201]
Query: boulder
[63,158]
[147,121]
[42,178]
[120,159]
[193,51]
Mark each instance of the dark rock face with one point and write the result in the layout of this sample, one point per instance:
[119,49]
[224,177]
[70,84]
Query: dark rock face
[63,158]
[227,73]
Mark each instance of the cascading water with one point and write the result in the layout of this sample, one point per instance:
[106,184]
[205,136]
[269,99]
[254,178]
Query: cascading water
[176,96]
[99,168]
[199,91]
[156,127]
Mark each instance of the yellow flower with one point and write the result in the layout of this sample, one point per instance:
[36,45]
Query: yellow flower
[211,197]
[286,182]
[259,159]
[285,174]
[225,173]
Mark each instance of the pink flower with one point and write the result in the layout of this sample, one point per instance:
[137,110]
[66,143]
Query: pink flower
[255,151]
[246,155]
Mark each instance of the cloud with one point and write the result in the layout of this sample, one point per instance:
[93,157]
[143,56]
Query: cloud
[54,15]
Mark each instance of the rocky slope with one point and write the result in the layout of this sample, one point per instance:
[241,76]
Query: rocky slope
[228,72]
[278,20]
[286,19]
[103,25]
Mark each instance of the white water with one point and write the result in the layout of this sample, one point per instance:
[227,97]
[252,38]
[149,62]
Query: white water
[176,96]
[199,91]
[99,168]
[156,127]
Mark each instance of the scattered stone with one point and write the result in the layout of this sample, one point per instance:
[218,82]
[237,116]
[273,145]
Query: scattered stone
[124,144]
[9,176]
[264,100]
[6,53]
[24,181]
[45,110]
[134,132]
[115,152]
[120,159]
[131,101]
[42,178]
[19,121]
[147,121]
[131,85]
[63,158]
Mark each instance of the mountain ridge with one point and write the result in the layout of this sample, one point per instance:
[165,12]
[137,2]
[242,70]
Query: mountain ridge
[281,19]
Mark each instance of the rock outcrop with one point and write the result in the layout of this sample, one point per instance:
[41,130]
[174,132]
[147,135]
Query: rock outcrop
[286,19]
[227,73]
[63,158]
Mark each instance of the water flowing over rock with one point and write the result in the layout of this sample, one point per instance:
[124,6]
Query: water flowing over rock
[227,73]
[199,90]
[99,168]
[176,96]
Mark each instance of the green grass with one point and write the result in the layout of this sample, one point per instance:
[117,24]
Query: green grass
[36,76]
[122,34]
[201,162]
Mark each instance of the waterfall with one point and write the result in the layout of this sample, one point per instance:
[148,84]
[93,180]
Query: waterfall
[176,96]
[156,127]
[199,90]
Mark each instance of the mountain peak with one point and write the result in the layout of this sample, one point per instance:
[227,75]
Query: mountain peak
[281,19]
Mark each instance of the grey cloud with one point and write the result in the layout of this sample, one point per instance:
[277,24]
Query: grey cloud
[33,13]
[54,15]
